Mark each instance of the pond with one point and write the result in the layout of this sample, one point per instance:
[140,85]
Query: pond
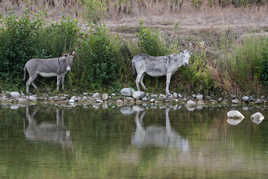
[50,142]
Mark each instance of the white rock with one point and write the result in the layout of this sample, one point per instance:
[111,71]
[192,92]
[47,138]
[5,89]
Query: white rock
[126,110]
[127,91]
[234,122]
[32,98]
[96,95]
[137,108]
[257,118]
[119,102]
[138,94]
[245,98]
[99,101]
[175,95]
[191,103]
[235,101]
[235,114]
[105,96]
[199,97]
[14,94]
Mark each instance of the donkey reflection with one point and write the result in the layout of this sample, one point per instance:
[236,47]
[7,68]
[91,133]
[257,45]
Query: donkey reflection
[158,136]
[49,132]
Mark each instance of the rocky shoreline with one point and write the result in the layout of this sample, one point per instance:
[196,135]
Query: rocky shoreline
[130,97]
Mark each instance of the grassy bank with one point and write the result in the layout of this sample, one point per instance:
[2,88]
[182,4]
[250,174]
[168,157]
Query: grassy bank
[103,60]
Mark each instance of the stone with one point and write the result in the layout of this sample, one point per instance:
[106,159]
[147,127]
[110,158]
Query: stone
[234,122]
[144,99]
[220,99]
[126,110]
[235,114]
[119,102]
[96,95]
[191,103]
[257,118]
[235,101]
[127,91]
[152,100]
[200,102]
[99,101]
[175,95]
[138,108]
[105,96]
[162,96]
[199,97]
[73,99]
[245,98]
[138,94]
[258,101]
[32,98]
[154,96]
[14,94]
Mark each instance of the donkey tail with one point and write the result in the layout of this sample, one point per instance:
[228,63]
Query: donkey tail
[24,73]
[134,72]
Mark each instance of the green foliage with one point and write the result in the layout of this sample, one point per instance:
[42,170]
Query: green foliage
[197,74]
[18,42]
[24,38]
[264,69]
[150,42]
[98,59]
[244,66]
[58,38]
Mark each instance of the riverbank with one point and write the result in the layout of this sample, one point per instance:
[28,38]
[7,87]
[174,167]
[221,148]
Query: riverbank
[148,100]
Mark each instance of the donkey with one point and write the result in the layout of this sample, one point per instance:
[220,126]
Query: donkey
[48,68]
[164,137]
[47,131]
[158,66]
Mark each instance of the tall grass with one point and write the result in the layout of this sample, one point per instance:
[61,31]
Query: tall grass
[245,66]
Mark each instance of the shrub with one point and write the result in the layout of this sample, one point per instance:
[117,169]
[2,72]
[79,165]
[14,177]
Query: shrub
[244,64]
[150,42]
[264,69]
[18,42]
[24,38]
[58,38]
[99,60]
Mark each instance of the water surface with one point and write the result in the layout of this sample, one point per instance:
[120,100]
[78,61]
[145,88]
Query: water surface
[50,142]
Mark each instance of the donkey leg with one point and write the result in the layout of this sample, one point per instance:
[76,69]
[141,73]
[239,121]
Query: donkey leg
[62,82]
[138,80]
[29,82]
[142,84]
[58,82]
[167,83]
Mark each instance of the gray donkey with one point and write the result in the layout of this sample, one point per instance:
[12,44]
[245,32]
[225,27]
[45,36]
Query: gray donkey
[48,68]
[158,66]
[47,131]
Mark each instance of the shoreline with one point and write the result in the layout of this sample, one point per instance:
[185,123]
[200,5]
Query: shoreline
[149,100]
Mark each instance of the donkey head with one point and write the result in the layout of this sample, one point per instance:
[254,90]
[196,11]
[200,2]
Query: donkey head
[68,60]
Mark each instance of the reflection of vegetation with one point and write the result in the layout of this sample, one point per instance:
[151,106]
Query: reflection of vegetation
[102,149]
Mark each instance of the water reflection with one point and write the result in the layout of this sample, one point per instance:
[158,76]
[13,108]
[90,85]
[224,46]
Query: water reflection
[157,136]
[47,131]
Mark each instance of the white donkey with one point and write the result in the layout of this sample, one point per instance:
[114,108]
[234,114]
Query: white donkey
[156,136]
[158,66]
[48,68]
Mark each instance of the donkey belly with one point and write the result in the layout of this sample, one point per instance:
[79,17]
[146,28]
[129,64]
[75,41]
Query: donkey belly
[43,74]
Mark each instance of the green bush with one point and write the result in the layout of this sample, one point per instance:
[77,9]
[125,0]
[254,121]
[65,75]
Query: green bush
[26,37]
[264,69]
[58,38]
[244,64]
[150,42]
[18,42]
[197,75]
[98,60]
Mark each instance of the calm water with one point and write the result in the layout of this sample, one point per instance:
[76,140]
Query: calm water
[49,142]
